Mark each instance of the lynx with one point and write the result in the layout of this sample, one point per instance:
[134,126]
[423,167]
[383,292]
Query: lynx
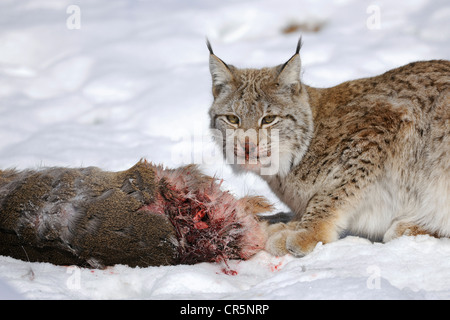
[368,157]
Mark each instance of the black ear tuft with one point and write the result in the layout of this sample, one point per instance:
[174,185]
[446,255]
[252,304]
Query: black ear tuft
[299,45]
[208,44]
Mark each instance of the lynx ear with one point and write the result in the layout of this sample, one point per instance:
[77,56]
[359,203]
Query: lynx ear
[289,73]
[221,73]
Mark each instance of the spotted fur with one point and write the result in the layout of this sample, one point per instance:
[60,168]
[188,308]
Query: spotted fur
[369,157]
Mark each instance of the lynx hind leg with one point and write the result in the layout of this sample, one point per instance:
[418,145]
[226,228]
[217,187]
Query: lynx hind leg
[405,228]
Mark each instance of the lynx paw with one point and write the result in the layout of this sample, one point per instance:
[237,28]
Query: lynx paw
[295,242]
[275,228]
[402,228]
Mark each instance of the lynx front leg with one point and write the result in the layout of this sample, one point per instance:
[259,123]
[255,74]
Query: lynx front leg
[354,162]
[318,224]
[324,217]
[298,240]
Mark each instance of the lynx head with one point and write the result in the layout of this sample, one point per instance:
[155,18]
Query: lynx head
[260,117]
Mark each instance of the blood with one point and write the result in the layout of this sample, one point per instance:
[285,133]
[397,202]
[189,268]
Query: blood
[276,267]
[205,220]
[200,225]
[229,272]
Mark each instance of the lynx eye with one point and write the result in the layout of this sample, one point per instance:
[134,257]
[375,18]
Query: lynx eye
[268,119]
[232,119]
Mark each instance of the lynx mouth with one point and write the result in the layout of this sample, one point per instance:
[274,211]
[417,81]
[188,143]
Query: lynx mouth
[252,158]
[251,155]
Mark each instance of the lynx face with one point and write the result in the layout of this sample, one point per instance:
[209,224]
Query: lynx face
[261,117]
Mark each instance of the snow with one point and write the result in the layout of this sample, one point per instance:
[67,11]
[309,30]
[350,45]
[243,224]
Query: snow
[352,268]
[133,82]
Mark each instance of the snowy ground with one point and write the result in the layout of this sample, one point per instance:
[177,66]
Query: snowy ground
[133,82]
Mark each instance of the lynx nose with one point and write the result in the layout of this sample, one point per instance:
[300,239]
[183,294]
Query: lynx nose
[250,149]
